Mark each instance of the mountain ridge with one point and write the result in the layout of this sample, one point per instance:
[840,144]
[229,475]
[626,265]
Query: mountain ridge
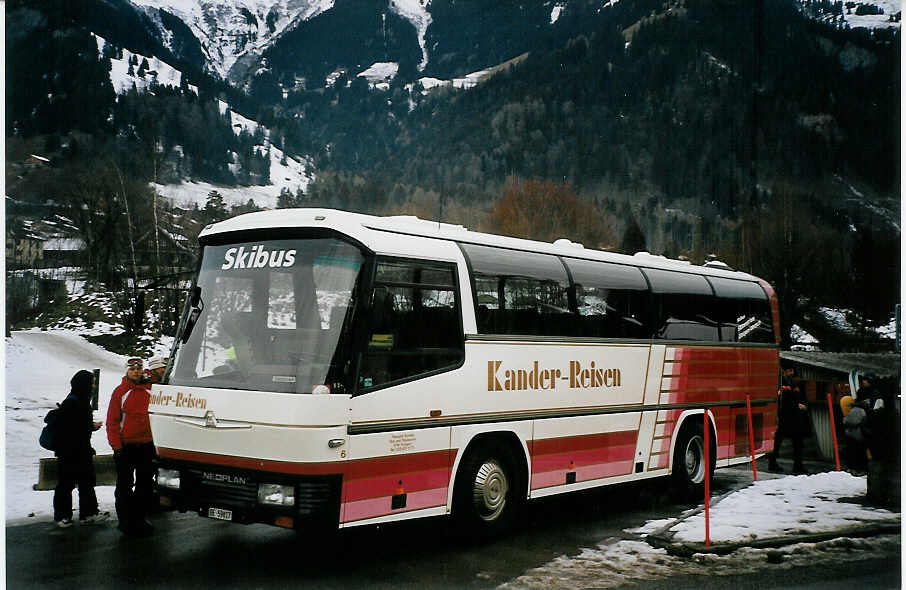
[700,135]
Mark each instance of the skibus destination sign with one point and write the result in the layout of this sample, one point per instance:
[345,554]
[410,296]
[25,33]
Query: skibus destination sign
[257,257]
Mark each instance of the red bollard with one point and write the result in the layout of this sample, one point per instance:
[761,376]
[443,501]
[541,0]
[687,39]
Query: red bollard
[830,409]
[751,437]
[707,435]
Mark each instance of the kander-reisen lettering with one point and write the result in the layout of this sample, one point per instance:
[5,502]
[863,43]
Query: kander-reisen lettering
[577,376]
[181,400]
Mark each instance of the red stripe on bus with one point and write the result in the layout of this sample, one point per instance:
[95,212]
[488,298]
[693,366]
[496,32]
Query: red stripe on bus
[578,443]
[584,458]
[390,485]
[376,507]
[288,467]
[410,462]
[707,353]
[355,468]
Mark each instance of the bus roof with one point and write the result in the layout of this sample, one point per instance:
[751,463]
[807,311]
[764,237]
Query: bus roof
[386,235]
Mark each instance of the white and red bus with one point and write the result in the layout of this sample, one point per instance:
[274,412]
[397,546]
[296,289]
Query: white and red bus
[342,369]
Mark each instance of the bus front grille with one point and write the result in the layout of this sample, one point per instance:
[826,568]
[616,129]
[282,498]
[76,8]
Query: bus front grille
[223,489]
[318,499]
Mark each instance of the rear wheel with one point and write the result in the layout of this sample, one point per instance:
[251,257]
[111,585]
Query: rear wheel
[486,496]
[689,460]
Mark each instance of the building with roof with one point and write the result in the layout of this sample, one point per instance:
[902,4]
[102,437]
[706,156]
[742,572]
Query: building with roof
[835,374]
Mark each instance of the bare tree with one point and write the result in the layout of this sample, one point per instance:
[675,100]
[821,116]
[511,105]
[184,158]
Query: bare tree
[546,210]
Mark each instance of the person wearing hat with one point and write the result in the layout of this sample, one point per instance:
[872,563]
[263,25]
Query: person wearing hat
[129,435]
[156,368]
[75,457]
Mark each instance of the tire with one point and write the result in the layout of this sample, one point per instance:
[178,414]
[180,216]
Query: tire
[486,496]
[689,460]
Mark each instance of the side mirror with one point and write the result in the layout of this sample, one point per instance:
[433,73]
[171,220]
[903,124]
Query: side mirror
[195,297]
[190,323]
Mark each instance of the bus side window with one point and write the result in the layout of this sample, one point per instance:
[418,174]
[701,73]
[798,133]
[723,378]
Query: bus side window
[520,293]
[684,306]
[487,314]
[612,300]
[745,311]
[414,324]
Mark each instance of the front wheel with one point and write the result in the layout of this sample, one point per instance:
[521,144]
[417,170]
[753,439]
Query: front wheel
[485,494]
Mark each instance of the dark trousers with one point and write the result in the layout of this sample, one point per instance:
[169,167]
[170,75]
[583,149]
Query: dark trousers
[797,448]
[72,471]
[854,454]
[134,482]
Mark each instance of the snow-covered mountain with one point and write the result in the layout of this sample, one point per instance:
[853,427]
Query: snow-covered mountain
[304,40]
[229,30]
[236,32]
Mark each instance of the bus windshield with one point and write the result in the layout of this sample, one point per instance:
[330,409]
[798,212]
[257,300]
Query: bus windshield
[276,317]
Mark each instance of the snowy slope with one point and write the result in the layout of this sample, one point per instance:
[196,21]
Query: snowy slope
[852,20]
[158,72]
[289,172]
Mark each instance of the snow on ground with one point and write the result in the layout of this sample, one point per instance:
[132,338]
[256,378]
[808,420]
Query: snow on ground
[40,364]
[380,74]
[803,340]
[615,563]
[465,83]
[874,21]
[850,19]
[769,508]
[803,504]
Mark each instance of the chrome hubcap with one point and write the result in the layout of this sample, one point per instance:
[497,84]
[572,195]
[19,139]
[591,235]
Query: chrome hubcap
[695,459]
[489,490]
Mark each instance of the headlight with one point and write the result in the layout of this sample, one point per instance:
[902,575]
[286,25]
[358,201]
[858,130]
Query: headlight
[276,494]
[168,478]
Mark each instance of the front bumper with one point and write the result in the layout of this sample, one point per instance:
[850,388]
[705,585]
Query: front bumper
[232,494]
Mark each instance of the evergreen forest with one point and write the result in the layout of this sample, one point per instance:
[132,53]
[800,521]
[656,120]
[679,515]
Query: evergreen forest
[742,130]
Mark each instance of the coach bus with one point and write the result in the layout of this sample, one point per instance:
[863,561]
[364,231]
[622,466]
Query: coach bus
[337,369]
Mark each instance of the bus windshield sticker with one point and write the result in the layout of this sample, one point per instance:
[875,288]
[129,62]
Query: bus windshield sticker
[257,257]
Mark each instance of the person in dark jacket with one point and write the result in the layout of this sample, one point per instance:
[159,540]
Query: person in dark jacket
[792,421]
[75,457]
[129,435]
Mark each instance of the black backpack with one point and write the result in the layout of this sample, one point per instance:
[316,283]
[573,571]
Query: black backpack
[50,434]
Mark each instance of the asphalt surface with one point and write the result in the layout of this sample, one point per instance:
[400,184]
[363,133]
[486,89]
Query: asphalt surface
[187,551]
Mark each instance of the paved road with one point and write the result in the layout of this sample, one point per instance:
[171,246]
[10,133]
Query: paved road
[191,552]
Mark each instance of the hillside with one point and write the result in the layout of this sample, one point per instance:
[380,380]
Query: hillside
[765,133]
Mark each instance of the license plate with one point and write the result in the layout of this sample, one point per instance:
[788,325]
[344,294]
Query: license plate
[220,514]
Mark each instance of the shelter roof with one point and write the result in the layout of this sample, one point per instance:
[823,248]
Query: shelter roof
[880,364]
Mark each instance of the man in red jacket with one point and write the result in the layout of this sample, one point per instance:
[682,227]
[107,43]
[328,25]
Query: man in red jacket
[129,434]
